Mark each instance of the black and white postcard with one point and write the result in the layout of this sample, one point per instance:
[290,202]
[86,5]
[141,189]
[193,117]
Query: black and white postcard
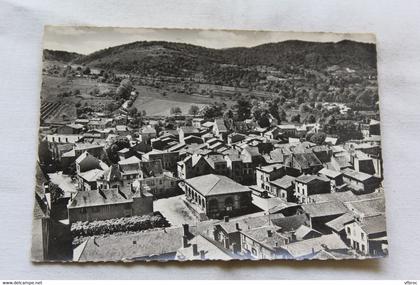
[182,144]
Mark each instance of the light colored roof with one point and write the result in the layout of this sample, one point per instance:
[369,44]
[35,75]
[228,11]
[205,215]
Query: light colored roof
[310,178]
[271,168]
[99,197]
[133,246]
[284,182]
[359,176]
[338,223]
[92,175]
[367,207]
[308,247]
[374,224]
[212,184]
[211,251]
[274,240]
[329,173]
[324,209]
[304,230]
[131,160]
[148,130]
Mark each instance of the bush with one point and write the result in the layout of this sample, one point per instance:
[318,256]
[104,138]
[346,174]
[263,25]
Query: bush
[126,224]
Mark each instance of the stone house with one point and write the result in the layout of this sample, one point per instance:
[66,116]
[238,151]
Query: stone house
[217,196]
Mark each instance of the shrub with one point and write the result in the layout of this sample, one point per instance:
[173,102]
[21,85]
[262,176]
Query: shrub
[126,224]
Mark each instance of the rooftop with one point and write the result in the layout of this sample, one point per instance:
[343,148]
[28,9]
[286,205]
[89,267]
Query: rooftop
[212,184]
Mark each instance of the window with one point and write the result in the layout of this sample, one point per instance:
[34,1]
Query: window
[229,204]
[254,252]
[362,236]
[349,231]
[363,247]
[213,205]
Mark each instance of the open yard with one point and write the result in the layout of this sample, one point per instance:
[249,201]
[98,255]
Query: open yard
[175,210]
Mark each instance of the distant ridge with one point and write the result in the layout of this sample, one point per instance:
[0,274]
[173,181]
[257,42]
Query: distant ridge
[59,55]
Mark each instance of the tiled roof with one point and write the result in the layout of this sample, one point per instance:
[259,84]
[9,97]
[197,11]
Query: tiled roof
[131,160]
[261,235]
[212,184]
[359,176]
[270,168]
[374,224]
[284,182]
[338,223]
[100,197]
[133,246]
[305,248]
[310,178]
[92,175]
[324,209]
[367,207]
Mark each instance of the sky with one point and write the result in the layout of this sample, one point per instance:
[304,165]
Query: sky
[86,40]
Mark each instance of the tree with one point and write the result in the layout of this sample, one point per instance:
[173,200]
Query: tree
[124,89]
[132,111]
[311,119]
[86,71]
[55,191]
[295,119]
[176,110]
[244,109]
[318,138]
[111,107]
[194,109]
[212,111]
[303,108]
[228,114]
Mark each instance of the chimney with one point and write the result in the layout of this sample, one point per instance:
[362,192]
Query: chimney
[202,254]
[186,230]
[269,233]
[102,193]
[226,219]
[184,242]
[237,227]
[195,249]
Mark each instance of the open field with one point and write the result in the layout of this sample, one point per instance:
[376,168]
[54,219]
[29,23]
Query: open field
[56,107]
[159,102]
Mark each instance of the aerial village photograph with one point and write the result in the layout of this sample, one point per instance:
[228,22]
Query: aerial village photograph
[171,144]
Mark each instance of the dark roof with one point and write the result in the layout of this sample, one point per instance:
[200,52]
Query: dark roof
[290,223]
[307,159]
